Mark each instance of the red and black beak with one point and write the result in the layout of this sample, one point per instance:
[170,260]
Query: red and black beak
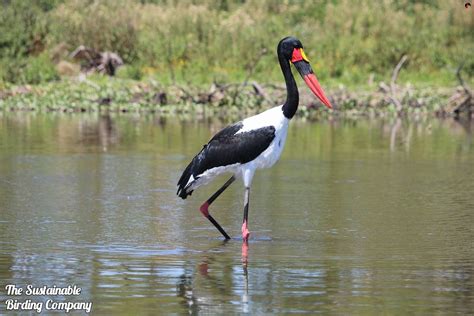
[301,63]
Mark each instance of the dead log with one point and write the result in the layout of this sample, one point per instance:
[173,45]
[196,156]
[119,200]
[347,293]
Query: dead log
[462,100]
[463,84]
[94,61]
[260,91]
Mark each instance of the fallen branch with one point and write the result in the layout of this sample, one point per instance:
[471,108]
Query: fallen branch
[393,86]
[102,62]
[259,90]
[461,80]
[462,100]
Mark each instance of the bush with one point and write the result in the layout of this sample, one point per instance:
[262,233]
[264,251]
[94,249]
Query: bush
[31,70]
[24,27]
[130,72]
[39,69]
[101,25]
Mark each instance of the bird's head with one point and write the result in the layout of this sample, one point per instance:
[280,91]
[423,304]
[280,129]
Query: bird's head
[292,50]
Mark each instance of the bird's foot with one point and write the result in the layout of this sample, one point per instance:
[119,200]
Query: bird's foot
[245,231]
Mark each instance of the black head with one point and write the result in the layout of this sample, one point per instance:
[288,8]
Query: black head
[291,49]
[287,46]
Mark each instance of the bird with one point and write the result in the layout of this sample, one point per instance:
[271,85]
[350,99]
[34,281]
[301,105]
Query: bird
[255,142]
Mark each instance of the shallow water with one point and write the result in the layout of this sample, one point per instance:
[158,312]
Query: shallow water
[364,217]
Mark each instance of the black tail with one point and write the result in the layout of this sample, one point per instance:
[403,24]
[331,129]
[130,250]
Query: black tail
[193,169]
[182,192]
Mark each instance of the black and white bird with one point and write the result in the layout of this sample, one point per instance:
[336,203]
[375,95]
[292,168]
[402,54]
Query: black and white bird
[253,143]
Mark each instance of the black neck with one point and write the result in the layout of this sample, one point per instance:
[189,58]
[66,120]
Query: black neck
[292,97]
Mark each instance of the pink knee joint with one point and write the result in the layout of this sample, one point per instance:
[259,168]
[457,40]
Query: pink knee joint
[204,209]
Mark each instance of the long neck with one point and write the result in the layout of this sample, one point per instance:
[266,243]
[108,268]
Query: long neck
[292,97]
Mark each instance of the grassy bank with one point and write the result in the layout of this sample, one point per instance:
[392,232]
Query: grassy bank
[195,55]
[197,42]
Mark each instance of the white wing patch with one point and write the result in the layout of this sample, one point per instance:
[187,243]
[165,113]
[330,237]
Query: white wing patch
[271,117]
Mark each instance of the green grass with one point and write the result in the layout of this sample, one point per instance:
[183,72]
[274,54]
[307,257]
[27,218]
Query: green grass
[197,42]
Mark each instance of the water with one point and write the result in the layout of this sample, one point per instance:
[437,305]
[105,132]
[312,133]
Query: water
[365,217]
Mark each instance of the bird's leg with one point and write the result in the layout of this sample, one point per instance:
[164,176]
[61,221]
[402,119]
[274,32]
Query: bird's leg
[245,230]
[205,207]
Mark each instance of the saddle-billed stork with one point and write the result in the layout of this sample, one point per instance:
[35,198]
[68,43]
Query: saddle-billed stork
[253,143]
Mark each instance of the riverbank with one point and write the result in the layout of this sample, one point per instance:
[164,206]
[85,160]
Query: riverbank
[119,95]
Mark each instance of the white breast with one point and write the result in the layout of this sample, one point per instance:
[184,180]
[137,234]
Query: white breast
[272,117]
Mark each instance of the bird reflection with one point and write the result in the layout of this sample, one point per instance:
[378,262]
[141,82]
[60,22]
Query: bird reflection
[214,273]
[245,250]
[245,295]
[209,256]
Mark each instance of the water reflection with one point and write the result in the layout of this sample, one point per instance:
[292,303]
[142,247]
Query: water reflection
[103,132]
[358,217]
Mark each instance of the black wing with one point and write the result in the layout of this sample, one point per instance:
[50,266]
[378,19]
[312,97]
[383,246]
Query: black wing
[227,148]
